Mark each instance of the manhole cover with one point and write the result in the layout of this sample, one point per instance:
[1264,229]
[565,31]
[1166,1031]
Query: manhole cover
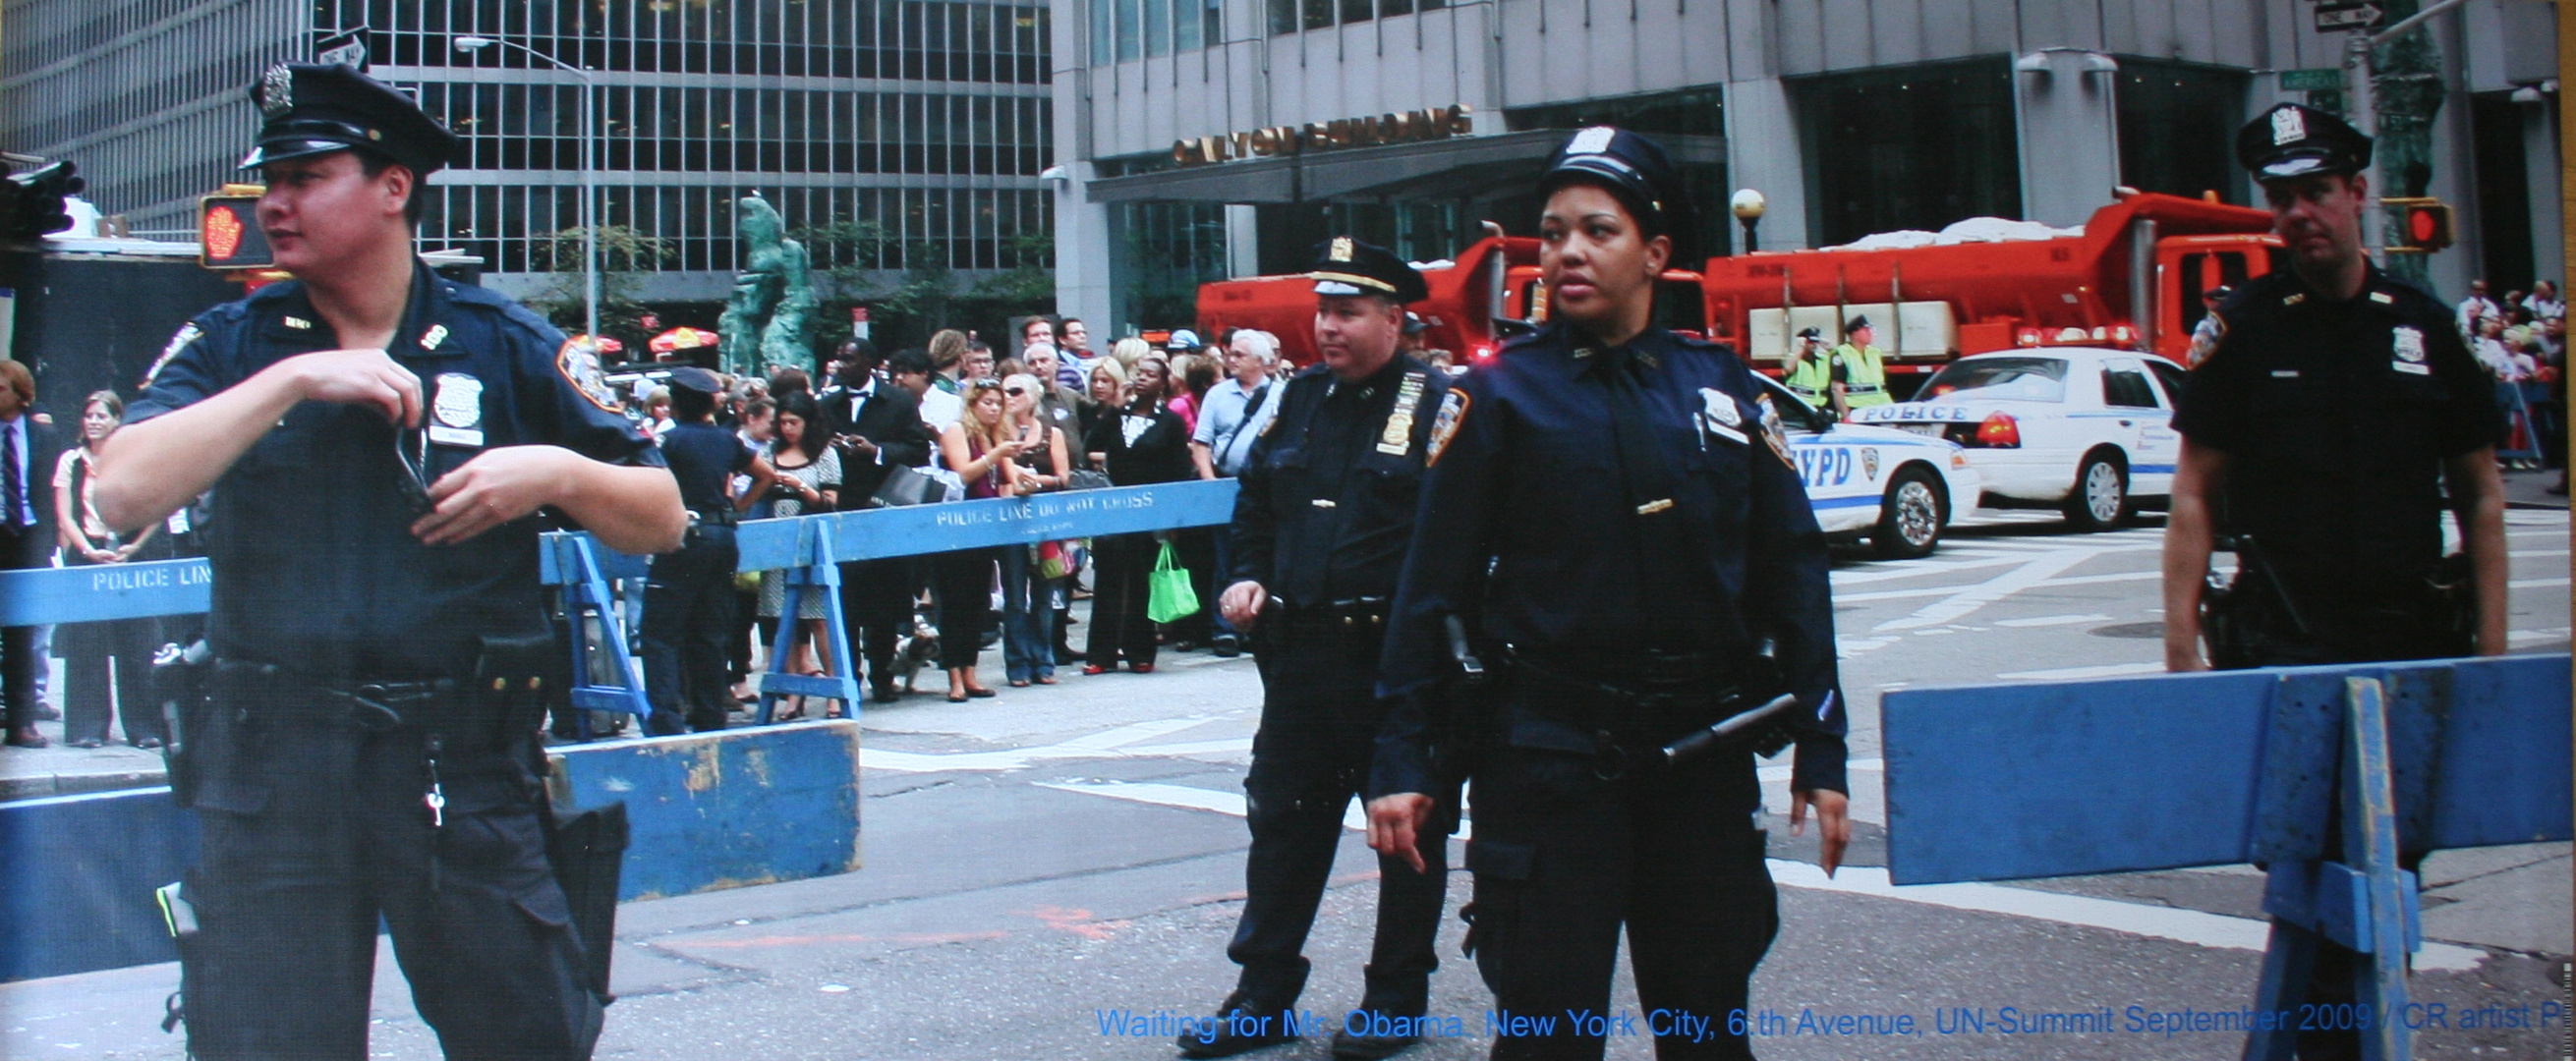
[2136,630]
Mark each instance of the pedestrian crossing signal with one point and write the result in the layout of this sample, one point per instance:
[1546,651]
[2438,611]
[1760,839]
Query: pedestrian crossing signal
[228,235]
[2423,225]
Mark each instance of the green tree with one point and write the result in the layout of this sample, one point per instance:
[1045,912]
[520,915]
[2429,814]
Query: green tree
[625,255]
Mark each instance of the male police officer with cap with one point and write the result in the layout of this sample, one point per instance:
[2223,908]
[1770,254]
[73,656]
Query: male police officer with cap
[1612,516]
[2321,431]
[379,440]
[1865,368]
[1815,375]
[1320,530]
[688,595]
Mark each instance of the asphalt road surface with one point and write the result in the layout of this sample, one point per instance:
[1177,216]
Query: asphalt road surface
[1052,870]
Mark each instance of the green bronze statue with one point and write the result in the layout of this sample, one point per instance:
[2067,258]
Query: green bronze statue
[772,306]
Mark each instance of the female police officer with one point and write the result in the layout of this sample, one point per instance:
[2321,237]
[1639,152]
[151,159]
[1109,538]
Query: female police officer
[377,438]
[1611,510]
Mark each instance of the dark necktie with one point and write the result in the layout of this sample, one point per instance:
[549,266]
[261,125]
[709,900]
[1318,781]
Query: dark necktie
[1642,465]
[12,486]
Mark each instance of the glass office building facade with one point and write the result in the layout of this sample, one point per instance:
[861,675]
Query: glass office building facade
[929,118]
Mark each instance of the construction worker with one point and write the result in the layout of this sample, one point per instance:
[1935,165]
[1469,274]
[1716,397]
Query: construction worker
[1864,368]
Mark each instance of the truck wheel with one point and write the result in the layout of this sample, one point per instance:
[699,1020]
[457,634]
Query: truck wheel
[2100,499]
[1911,516]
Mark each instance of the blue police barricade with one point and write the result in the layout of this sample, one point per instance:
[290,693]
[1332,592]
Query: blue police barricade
[2232,767]
[81,904]
[810,549]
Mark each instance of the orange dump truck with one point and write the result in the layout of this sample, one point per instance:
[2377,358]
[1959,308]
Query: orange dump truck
[2132,277]
[1478,299]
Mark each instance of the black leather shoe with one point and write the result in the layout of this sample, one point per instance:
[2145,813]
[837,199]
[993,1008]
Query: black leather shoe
[883,694]
[1227,646]
[1349,1047]
[1240,1026]
[26,737]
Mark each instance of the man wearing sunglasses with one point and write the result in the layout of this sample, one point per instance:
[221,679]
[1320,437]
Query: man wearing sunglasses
[380,442]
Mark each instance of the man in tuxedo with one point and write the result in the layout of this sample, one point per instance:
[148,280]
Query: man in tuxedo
[28,451]
[878,427]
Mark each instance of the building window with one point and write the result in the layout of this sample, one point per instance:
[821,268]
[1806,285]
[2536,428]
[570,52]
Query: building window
[1162,253]
[1914,147]
[2170,116]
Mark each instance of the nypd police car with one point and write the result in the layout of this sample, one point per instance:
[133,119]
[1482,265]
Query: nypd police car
[1896,488]
[2084,430]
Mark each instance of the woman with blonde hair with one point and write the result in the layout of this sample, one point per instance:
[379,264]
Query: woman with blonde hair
[1128,350]
[1028,595]
[981,449]
[947,348]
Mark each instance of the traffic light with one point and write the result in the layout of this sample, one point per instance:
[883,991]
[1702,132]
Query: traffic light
[35,207]
[2423,225]
[228,235]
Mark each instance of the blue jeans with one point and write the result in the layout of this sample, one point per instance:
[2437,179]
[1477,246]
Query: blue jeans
[1028,617]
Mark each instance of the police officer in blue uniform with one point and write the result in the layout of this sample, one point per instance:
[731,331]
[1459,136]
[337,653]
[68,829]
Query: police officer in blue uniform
[1612,519]
[2335,411]
[1320,530]
[380,442]
[688,595]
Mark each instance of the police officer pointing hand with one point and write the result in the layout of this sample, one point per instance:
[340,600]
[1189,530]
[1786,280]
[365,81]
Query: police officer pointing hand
[1612,525]
[378,440]
[1321,524]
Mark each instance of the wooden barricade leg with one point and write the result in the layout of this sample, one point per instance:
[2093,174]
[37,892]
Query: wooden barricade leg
[2287,962]
[586,595]
[2370,846]
[817,572]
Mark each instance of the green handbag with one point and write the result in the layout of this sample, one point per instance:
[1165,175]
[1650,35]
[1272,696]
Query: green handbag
[1169,595]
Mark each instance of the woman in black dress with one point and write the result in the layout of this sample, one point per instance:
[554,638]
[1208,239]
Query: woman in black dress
[1144,443]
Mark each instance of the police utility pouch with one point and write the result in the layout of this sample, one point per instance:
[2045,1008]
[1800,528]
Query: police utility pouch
[587,850]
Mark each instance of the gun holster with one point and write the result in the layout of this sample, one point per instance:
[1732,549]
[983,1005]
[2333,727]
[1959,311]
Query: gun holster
[588,850]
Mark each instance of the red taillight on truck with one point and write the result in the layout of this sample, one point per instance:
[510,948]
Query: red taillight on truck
[1479,354]
[1999,432]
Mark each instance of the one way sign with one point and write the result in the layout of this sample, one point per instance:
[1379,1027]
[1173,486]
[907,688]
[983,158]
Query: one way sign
[2335,15]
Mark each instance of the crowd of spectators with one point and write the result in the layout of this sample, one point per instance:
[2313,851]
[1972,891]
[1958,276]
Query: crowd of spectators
[2522,342]
[1051,415]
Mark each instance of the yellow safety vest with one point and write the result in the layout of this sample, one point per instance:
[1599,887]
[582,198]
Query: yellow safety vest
[1865,381]
[1809,377]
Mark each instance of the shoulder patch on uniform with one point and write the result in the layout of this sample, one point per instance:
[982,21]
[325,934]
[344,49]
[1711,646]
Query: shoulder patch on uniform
[1773,433]
[1446,422]
[580,367]
[2294,298]
[188,333]
[2383,298]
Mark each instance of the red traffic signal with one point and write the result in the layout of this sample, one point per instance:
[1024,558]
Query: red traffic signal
[2424,225]
[228,235]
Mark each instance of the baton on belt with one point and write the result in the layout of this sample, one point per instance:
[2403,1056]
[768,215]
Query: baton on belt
[1701,742]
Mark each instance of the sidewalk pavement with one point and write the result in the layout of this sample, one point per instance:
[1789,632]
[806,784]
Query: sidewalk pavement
[2531,490]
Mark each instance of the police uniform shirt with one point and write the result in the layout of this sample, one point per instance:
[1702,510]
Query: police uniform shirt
[1527,528]
[703,457]
[2335,418]
[315,565]
[1327,500]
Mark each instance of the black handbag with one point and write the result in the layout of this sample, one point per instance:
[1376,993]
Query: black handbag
[907,486]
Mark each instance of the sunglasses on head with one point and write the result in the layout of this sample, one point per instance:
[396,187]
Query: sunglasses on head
[985,384]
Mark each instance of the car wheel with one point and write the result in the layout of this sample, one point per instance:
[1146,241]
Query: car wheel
[1910,517]
[2100,500]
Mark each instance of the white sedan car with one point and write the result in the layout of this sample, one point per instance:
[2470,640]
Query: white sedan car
[1894,487]
[2086,431]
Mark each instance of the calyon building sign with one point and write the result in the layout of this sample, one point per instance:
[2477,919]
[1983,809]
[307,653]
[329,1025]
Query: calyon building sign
[1437,123]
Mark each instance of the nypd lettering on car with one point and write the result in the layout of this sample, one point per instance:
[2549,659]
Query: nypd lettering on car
[1896,488]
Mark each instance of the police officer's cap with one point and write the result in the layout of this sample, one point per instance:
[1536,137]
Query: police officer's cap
[1856,323]
[1811,333]
[2293,141]
[312,109]
[697,379]
[1346,266]
[1637,171]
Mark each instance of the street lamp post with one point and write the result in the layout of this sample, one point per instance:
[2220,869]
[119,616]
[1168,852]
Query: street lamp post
[589,223]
